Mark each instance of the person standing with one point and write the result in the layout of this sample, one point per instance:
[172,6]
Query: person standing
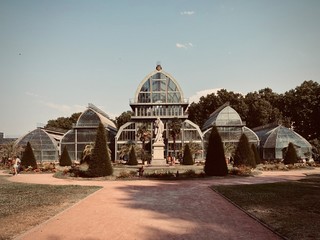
[16,165]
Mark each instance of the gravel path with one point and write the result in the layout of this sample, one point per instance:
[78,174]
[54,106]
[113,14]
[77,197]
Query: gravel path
[150,209]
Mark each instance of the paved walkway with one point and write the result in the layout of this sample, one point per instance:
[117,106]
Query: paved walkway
[154,210]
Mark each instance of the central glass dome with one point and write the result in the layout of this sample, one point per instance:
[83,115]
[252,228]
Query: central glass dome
[159,88]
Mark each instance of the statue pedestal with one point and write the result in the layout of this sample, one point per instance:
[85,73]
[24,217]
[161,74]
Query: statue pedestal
[158,154]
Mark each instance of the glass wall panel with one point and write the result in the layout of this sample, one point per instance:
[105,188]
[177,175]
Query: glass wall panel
[174,97]
[144,98]
[86,135]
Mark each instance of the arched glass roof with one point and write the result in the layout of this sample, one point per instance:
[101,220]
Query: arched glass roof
[223,116]
[93,116]
[44,146]
[159,87]
[274,139]
[280,137]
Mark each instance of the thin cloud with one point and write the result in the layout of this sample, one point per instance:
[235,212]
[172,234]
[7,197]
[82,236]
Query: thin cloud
[189,13]
[203,93]
[32,94]
[184,45]
[63,108]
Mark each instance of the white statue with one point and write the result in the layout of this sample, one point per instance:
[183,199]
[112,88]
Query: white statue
[159,128]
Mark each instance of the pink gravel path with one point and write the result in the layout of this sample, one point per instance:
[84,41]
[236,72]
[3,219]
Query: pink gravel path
[154,210]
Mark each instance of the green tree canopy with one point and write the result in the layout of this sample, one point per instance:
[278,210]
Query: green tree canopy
[123,118]
[301,105]
[63,122]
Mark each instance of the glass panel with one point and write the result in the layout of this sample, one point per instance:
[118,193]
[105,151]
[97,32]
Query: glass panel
[172,87]
[174,97]
[89,118]
[156,97]
[69,137]
[144,98]
[146,86]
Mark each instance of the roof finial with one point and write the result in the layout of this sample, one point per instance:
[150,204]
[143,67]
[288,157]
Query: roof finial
[158,67]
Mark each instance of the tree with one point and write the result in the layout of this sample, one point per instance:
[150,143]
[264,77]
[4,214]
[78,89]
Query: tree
[255,154]
[243,155]
[175,126]
[200,112]
[301,105]
[144,135]
[195,148]
[9,150]
[63,122]
[187,156]
[100,162]
[132,157]
[290,155]
[261,111]
[215,164]
[86,153]
[28,158]
[123,118]
[65,159]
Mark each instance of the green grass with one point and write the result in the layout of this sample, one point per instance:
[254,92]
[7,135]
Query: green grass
[23,206]
[290,208]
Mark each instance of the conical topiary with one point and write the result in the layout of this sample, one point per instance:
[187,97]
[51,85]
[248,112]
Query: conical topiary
[28,158]
[243,154]
[255,154]
[132,157]
[215,164]
[187,156]
[100,163]
[65,159]
[291,155]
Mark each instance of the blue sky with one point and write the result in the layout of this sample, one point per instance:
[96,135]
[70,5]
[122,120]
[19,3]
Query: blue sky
[58,56]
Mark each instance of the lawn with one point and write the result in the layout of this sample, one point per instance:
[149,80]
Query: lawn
[290,208]
[24,206]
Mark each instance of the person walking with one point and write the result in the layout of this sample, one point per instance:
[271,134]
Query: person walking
[16,165]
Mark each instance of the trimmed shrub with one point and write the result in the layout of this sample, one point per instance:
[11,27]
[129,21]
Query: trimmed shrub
[28,158]
[243,155]
[255,154]
[132,157]
[291,155]
[100,163]
[187,156]
[215,164]
[65,159]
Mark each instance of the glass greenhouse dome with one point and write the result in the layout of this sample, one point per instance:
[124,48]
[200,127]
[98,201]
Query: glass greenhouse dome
[84,132]
[45,147]
[158,95]
[274,140]
[230,127]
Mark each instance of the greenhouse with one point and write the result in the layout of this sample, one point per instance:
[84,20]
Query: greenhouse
[84,132]
[230,127]
[45,144]
[159,96]
[274,140]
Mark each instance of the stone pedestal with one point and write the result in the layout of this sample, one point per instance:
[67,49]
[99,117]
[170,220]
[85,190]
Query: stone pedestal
[158,154]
